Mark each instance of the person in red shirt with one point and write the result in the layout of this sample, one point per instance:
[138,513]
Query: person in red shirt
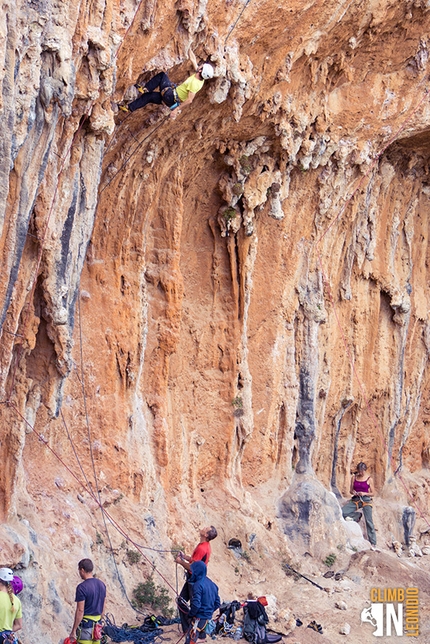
[202,552]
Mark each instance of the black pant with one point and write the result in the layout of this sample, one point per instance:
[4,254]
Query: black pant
[186,588]
[162,81]
[184,609]
[187,623]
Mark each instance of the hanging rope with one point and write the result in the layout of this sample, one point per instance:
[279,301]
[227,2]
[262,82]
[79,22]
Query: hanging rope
[236,22]
[114,523]
[133,153]
[82,379]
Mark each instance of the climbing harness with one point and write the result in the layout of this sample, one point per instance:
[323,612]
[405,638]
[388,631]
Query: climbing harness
[90,442]
[8,637]
[176,99]
[170,88]
[89,629]
[114,523]
[197,627]
[360,503]
[8,402]
[96,496]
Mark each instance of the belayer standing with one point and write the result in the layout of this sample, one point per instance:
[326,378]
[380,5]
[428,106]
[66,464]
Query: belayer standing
[204,602]
[361,489]
[10,608]
[90,602]
[202,552]
[160,89]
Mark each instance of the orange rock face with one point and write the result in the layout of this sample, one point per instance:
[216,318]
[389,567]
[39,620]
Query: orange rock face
[196,312]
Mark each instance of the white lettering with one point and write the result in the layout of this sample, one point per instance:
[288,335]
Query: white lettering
[393,618]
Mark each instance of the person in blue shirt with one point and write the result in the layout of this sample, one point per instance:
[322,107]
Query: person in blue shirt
[90,602]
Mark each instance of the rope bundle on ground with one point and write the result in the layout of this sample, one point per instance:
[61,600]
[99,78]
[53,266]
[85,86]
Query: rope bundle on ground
[147,633]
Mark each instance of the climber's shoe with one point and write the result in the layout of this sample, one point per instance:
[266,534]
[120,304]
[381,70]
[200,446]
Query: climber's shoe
[141,88]
[124,108]
[315,627]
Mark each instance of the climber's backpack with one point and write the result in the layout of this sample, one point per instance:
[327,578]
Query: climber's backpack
[254,624]
[230,610]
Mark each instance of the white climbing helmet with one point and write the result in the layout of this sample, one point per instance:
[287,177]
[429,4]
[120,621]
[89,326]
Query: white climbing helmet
[6,574]
[207,71]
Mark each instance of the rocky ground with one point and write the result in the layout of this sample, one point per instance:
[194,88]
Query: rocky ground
[340,603]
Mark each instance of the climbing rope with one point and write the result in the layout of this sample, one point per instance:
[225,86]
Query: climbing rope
[19,353]
[84,117]
[84,397]
[236,22]
[156,128]
[114,523]
[133,153]
[102,509]
[87,486]
[145,634]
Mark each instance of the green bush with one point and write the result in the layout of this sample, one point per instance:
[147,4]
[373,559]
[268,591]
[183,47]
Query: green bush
[237,402]
[133,556]
[330,560]
[148,594]
[229,214]
[245,164]
[238,406]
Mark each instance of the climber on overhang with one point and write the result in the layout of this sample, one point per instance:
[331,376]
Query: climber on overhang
[175,97]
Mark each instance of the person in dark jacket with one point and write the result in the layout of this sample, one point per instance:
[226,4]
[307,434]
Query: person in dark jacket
[204,602]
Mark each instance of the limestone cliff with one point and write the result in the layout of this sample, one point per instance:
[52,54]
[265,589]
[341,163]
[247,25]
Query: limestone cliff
[209,319]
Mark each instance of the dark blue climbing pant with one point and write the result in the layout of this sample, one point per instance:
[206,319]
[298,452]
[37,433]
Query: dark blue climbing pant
[193,627]
[161,81]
